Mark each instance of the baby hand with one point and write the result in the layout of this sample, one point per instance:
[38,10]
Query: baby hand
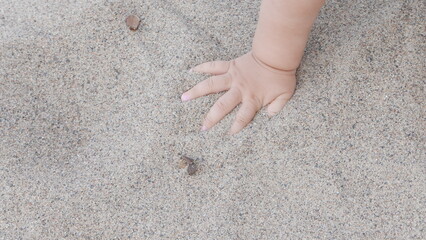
[247,80]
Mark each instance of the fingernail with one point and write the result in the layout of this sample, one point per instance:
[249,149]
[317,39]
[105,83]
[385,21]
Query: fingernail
[185,97]
[203,128]
[190,70]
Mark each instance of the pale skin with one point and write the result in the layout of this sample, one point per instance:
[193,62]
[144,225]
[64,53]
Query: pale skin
[267,74]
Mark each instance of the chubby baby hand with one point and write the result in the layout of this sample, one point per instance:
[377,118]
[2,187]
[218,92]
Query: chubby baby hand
[247,80]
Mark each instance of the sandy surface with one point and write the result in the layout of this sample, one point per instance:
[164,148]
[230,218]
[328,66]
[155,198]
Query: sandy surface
[92,127]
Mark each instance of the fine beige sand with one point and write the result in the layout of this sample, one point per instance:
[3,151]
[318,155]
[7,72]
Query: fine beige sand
[92,127]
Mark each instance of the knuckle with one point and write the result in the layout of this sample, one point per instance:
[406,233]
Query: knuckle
[254,103]
[239,94]
[210,84]
[208,121]
[221,106]
[257,104]
[228,80]
[242,120]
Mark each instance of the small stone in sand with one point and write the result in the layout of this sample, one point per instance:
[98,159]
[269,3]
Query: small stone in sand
[182,163]
[133,22]
[185,161]
[192,168]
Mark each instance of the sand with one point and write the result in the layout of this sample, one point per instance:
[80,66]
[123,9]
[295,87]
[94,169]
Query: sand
[92,126]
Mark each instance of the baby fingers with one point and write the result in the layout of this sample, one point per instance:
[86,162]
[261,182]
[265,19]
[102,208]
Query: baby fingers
[211,85]
[244,116]
[221,108]
[278,104]
[215,67]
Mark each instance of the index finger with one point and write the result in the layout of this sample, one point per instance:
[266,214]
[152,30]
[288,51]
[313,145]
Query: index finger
[215,67]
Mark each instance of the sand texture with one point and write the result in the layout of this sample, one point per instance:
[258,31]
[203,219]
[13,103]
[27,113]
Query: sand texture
[92,127]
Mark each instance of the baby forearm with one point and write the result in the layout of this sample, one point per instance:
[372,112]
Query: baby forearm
[283,30]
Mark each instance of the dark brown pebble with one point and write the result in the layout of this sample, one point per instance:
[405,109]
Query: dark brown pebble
[187,160]
[133,22]
[192,169]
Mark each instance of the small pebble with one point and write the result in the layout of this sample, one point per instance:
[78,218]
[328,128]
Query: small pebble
[185,161]
[133,22]
[192,168]
[182,164]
